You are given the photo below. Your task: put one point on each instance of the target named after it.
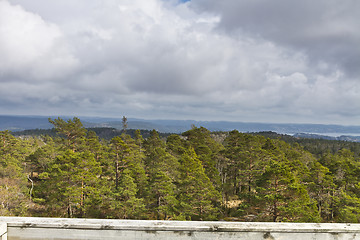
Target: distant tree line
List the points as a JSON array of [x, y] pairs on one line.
[[197, 175], [318, 147], [105, 133]]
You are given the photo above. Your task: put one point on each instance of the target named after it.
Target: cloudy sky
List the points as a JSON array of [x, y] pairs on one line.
[[235, 60]]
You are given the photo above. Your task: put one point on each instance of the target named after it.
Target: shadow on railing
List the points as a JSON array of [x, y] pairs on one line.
[[3, 231]]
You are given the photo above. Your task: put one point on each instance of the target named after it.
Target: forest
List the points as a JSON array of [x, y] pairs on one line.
[[196, 175]]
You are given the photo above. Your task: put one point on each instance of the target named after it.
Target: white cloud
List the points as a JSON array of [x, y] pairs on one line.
[[160, 59], [30, 47]]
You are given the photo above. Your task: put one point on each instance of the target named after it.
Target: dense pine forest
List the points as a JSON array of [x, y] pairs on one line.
[[198, 175]]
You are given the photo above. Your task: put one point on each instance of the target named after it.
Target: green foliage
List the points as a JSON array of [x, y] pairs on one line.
[[70, 180], [197, 195], [281, 197], [207, 149], [14, 195], [72, 130], [321, 186], [162, 197], [126, 204], [199, 175], [350, 212]]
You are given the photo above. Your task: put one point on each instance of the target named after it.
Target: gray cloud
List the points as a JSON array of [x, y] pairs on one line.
[[205, 60], [325, 30]]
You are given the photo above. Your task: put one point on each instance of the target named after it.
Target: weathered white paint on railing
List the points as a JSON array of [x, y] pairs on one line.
[[3, 231], [64, 228]]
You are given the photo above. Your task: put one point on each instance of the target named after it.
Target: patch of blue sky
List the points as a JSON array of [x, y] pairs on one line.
[[181, 1]]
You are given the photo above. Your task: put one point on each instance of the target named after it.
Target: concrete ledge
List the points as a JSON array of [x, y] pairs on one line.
[[65, 228]]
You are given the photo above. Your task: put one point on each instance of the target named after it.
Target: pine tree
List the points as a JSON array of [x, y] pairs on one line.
[[14, 192], [320, 184], [281, 197], [126, 204], [120, 150], [73, 131], [350, 205], [69, 182], [207, 149], [162, 196], [198, 198]]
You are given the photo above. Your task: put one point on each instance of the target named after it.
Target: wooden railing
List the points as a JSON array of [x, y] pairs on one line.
[[71, 229], [3, 231]]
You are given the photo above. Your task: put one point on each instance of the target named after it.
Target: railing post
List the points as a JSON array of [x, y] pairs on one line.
[[3, 231]]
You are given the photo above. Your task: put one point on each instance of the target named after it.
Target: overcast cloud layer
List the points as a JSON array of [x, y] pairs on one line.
[[236, 60]]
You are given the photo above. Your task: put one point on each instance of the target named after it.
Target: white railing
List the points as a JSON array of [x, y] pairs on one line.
[[71, 229], [3, 231]]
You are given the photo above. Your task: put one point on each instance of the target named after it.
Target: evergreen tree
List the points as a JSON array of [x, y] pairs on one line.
[[126, 204], [162, 193], [350, 205], [14, 192], [320, 185], [120, 150], [207, 149], [281, 197], [72, 130], [245, 158], [69, 182], [124, 124], [198, 198]]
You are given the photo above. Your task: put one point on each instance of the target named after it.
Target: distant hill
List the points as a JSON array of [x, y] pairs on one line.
[[19, 123], [318, 144], [339, 138]]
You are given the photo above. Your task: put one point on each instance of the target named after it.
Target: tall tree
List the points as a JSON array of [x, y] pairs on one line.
[[69, 182], [207, 149], [124, 124], [73, 131], [281, 197], [14, 192], [162, 195], [126, 204], [120, 150], [197, 196], [244, 158], [321, 186]]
